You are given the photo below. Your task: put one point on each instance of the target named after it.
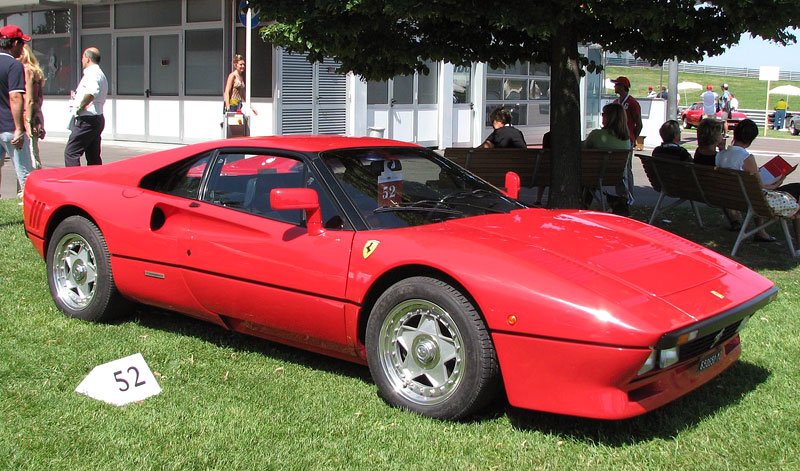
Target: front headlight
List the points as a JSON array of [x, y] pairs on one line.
[[668, 357]]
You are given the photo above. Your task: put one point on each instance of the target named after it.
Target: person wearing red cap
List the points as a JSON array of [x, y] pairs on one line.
[[709, 102], [633, 110], [13, 140]]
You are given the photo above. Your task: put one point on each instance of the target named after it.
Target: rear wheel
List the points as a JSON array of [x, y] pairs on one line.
[[79, 272], [429, 350]]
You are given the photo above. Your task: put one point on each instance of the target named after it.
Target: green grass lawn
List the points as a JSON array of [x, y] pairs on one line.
[[234, 402], [751, 92]]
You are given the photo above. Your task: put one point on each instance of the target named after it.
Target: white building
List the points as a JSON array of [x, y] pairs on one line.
[[166, 61]]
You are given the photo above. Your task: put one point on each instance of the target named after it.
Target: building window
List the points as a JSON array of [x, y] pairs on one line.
[[203, 10], [51, 22], [523, 89], [461, 84], [58, 64], [204, 68], [261, 62], [96, 16], [428, 85], [150, 14]]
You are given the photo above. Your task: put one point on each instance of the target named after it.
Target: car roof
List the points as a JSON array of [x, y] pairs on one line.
[[309, 143]]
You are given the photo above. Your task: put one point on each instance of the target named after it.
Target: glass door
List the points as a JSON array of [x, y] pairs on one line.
[[148, 78]]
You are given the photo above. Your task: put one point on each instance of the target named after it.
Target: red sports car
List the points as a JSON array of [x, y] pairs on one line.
[[692, 115], [384, 253]]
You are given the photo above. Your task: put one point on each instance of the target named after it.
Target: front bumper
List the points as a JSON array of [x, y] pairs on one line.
[[596, 381]]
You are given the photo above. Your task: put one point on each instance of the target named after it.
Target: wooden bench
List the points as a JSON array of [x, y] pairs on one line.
[[713, 186], [598, 167]]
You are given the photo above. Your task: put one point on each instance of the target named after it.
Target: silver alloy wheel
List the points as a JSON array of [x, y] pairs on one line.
[[74, 271], [421, 351]]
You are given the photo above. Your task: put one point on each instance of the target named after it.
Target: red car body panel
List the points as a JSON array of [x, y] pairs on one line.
[[694, 114], [574, 300]]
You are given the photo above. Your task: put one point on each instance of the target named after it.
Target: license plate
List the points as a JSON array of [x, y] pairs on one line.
[[709, 360]]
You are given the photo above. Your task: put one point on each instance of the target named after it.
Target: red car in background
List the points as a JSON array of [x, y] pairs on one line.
[[386, 254], [692, 115]]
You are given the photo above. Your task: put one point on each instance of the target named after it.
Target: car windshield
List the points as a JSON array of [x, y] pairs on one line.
[[406, 186]]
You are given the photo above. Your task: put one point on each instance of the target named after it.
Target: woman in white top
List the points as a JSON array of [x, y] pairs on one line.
[[737, 157]]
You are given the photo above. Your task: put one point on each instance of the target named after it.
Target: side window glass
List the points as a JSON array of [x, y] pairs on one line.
[[244, 182], [179, 179]]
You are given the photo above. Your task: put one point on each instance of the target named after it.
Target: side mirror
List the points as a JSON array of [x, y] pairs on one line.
[[299, 198], [512, 185]]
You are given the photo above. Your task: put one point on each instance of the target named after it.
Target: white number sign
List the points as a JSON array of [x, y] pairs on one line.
[[120, 382]]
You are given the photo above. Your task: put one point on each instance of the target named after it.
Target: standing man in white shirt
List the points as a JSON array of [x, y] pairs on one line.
[[88, 123]]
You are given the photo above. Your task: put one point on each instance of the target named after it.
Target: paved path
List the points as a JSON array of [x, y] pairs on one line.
[[52, 152]]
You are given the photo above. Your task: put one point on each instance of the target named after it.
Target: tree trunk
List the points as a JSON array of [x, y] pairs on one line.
[[565, 124]]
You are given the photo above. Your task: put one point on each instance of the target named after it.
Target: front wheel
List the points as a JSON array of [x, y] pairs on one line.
[[429, 351], [79, 272], [686, 124]]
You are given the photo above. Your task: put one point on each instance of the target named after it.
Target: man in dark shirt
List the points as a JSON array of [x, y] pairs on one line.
[[670, 146], [13, 140], [504, 135]]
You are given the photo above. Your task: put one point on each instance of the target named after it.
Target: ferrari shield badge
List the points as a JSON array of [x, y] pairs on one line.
[[369, 248]]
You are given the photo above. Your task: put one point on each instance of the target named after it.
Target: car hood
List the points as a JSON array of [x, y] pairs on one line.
[[620, 248]]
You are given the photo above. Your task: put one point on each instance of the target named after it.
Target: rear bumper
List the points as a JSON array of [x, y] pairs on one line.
[[595, 381]]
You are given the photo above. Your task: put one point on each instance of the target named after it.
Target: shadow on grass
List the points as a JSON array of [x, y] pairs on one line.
[[177, 323], [715, 235], [666, 422]]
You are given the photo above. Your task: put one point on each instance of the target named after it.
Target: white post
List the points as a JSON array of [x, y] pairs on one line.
[[766, 111], [247, 48]]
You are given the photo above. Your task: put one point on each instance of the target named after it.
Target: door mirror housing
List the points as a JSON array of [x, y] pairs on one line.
[[512, 185], [299, 198]]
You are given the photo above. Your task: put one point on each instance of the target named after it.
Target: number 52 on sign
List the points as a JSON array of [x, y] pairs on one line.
[[120, 382]]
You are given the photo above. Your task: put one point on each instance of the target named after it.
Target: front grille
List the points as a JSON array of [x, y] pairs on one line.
[[703, 344]]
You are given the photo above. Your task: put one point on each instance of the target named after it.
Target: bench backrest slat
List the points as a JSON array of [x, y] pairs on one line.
[[534, 166]]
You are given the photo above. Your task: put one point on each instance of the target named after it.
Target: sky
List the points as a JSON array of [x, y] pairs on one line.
[[755, 52]]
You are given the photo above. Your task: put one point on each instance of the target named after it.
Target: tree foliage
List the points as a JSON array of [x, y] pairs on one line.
[[379, 39]]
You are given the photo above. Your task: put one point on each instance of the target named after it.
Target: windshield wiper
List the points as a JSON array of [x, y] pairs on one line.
[[437, 205], [420, 206]]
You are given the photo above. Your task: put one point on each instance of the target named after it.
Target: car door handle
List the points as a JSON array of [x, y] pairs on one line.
[[194, 204]]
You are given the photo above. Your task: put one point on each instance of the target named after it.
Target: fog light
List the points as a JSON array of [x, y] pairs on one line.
[[649, 364], [668, 357]]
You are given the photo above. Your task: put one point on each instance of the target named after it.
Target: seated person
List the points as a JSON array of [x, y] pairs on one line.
[[614, 135], [504, 135], [670, 146], [737, 157], [710, 139]]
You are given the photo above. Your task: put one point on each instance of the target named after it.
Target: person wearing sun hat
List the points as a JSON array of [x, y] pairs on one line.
[[13, 139]]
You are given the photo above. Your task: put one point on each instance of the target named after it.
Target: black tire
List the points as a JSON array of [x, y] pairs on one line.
[[79, 272], [429, 351], [686, 124]]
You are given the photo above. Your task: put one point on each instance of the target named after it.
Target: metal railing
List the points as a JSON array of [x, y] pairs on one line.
[[703, 69]]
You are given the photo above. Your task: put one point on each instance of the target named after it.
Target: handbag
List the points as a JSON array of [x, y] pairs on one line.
[[783, 204]]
